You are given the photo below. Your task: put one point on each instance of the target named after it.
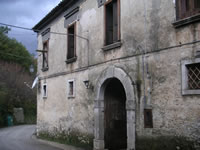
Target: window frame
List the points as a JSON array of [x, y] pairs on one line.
[[184, 74], [149, 124], [44, 96], [118, 21], [68, 88], [74, 58], [182, 12], [45, 68]]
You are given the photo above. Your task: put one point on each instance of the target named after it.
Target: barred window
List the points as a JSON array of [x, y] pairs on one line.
[[193, 76], [190, 69]]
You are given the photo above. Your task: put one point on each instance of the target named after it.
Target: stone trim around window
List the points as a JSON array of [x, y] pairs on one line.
[[184, 70], [71, 88], [71, 60], [112, 46], [186, 21], [45, 69]]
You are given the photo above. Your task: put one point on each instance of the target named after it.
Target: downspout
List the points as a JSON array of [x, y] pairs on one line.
[[144, 52]]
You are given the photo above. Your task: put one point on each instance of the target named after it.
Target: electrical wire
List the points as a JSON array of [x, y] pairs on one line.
[[29, 29], [161, 49], [143, 54], [24, 28], [16, 34]]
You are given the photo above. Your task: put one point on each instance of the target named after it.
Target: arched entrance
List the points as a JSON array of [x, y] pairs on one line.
[[115, 130], [114, 79]]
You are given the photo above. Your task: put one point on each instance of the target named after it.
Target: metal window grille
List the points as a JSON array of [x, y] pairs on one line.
[[193, 76]]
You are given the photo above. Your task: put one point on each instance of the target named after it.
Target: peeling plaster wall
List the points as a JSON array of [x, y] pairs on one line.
[[60, 113], [173, 114]]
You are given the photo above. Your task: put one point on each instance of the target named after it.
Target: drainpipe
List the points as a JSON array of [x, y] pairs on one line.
[[144, 52]]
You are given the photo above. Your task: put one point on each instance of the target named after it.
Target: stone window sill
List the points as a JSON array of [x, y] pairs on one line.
[[71, 96], [71, 60], [186, 21], [45, 69], [112, 46], [191, 92]]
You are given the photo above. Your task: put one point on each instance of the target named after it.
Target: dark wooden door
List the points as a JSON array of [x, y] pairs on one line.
[[115, 116]]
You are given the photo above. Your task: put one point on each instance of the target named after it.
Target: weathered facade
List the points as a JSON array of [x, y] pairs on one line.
[[120, 69]]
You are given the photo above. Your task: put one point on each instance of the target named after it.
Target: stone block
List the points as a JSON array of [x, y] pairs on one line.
[[19, 115], [98, 144]]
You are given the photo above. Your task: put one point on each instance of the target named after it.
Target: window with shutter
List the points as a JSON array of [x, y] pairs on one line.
[[112, 22], [45, 56], [187, 8], [71, 43], [197, 4]]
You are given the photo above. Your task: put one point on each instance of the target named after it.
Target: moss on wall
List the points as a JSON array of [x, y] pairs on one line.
[[165, 143], [73, 138]]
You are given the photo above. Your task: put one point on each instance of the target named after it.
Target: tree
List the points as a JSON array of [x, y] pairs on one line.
[[15, 61], [13, 51]]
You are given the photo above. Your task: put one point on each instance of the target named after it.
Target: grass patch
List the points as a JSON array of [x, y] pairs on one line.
[[73, 138], [164, 143], [30, 119]]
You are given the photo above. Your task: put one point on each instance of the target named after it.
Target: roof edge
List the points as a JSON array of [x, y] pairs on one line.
[[55, 12]]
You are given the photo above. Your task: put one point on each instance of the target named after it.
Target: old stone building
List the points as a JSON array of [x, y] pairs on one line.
[[117, 70]]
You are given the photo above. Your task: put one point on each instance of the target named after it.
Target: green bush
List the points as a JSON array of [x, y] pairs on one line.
[[164, 143], [3, 106], [73, 138]]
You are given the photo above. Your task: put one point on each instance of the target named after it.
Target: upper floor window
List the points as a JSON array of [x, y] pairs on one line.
[[112, 28], [71, 43], [187, 8], [45, 56]]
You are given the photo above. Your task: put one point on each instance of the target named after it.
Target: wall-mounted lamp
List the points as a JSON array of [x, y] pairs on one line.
[[87, 84]]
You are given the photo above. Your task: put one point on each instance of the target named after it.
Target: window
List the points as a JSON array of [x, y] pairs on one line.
[[44, 90], [71, 88], [45, 56], [71, 44], [187, 8], [191, 77], [148, 121], [112, 22]]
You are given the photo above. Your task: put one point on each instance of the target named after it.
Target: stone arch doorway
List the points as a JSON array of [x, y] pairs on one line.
[[113, 75], [115, 130]]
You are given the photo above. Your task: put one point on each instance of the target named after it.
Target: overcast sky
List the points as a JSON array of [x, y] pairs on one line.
[[26, 13]]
